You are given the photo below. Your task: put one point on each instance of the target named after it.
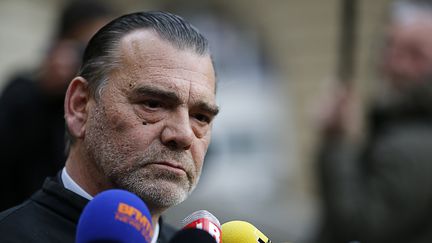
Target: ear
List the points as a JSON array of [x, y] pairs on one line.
[[75, 106]]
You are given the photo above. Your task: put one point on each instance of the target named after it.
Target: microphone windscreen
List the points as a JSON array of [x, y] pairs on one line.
[[115, 216], [206, 221], [191, 235], [200, 214], [242, 232]]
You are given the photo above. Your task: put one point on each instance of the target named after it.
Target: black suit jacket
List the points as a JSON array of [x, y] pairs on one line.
[[51, 215]]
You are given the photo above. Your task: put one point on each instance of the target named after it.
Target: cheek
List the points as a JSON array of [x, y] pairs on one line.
[[118, 123], [129, 130], [199, 150]]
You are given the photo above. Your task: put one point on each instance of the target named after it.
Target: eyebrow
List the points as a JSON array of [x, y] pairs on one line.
[[212, 109], [173, 98], [157, 92]]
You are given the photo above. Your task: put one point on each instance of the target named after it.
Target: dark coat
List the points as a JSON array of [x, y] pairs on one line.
[[381, 191], [51, 215]]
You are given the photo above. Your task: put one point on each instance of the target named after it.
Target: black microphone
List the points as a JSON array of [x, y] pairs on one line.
[[192, 235]]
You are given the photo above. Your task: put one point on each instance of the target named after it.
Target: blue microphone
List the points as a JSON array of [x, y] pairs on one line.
[[115, 216]]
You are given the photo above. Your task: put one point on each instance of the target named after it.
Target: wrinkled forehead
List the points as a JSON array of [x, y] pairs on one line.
[[144, 55]]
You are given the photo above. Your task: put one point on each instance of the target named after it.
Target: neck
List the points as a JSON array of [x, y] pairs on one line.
[[85, 173], [154, 213]]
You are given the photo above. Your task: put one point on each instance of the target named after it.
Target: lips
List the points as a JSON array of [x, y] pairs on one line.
[[170, 166]]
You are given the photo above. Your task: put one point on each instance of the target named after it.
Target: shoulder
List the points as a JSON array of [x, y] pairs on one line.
[[14, 213], [33, 221], [404, 152], [14, 221], [404, 138]]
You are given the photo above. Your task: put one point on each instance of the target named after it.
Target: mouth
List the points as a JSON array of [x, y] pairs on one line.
[[170, 166]]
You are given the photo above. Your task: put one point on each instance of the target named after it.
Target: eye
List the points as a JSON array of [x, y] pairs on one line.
[[202, 118], [152, 104]]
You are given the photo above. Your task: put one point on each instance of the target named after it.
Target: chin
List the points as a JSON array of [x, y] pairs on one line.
[[161, 194]]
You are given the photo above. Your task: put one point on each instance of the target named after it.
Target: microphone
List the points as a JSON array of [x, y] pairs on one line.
[[206, 221], [244, 232], [192, 235], [115, 216]]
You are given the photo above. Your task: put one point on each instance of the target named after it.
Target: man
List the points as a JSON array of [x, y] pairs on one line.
[[378, 190], [139, 118], [31, 118]]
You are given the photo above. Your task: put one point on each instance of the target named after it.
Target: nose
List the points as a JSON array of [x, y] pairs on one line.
[[178, 133]]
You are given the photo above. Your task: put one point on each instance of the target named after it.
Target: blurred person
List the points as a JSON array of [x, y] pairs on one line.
[[376, 182], [139, 117], [31, 105]]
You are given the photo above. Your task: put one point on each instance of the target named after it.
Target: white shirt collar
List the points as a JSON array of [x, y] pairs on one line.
[[155, 233], [71, 185]]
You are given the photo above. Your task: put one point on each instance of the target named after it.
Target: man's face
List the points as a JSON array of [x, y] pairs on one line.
[[408, 55], [149, 131]]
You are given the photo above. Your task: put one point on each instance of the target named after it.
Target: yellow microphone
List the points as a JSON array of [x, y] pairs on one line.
[[242, 232]]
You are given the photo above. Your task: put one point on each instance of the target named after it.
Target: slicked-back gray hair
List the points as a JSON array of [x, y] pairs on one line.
[[100, 56]]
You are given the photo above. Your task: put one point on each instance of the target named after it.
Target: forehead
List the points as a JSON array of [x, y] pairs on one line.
[[146, 58], [418, 23]]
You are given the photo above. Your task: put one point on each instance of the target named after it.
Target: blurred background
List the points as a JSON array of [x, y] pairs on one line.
[[275, 61]]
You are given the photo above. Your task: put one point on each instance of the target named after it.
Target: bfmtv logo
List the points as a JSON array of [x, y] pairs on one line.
[[132, 216]]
